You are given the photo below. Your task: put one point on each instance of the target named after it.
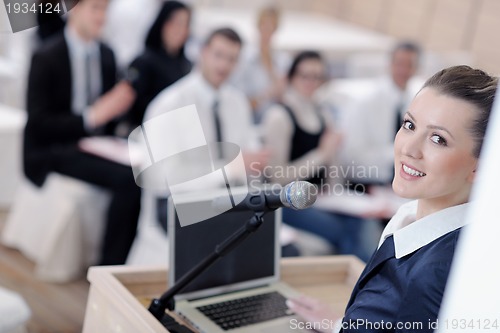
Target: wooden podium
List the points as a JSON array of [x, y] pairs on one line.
[[119, 295]]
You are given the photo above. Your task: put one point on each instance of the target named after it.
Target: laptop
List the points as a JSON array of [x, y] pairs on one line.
[[242, 291]]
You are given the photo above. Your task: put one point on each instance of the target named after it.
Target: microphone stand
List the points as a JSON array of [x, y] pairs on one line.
[[166, 301]]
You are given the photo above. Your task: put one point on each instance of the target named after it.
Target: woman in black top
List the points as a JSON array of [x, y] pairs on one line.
[[163, 61], [302, 140]]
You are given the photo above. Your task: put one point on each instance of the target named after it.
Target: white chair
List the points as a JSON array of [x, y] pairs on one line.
[[14, 312], [151, 243], [58, 226]]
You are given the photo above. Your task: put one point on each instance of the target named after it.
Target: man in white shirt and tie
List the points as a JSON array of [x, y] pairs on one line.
[[225, 116], [224, 111]]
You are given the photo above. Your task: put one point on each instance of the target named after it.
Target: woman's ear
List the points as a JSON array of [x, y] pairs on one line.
[[472, 174]]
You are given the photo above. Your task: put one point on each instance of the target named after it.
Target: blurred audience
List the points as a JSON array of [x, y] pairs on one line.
[[373, 122], [72, 94], [261, 71], [303, 144], [163, 62]]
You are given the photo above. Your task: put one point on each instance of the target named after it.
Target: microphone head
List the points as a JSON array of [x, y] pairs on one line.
[[299, 195]]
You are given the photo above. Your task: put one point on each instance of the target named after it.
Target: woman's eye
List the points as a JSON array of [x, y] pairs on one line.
[[438, 140], [408, 125]]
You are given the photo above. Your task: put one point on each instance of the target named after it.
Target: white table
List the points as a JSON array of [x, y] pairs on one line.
[[11, 129]]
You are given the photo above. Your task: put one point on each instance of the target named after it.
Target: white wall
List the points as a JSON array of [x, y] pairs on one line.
[[472, 297]]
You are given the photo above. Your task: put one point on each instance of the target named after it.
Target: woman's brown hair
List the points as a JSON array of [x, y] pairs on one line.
[[471, 85]]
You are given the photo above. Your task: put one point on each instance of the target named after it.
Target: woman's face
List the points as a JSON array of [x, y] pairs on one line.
[[176, 30], [309, 76], [433, 150]]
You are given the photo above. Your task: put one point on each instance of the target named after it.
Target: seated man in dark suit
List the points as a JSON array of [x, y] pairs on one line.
[[72, 94]]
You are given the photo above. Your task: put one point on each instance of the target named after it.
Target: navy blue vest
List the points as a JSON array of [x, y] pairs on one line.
[[401, 295]]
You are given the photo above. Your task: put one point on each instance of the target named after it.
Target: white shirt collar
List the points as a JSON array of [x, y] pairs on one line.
[[410, 234], [206, 91]]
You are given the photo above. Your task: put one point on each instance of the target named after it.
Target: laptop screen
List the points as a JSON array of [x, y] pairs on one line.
[[254, 262]]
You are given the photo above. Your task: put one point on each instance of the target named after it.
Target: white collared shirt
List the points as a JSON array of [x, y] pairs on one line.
[[410, 234], [78, 50], [234, 109], [234, 115]]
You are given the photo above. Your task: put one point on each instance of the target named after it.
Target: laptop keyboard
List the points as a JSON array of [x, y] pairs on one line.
[[246, 311]]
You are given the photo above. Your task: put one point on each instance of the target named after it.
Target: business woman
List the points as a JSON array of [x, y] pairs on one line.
[[163, 61], [436, 156]]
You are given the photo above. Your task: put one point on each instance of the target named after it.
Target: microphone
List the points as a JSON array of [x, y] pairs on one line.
[[296, 195]]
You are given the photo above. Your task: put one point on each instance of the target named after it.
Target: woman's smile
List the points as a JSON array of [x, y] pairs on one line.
[[410, 173]]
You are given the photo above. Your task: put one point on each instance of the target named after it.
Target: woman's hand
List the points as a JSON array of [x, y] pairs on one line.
[[314, 311]]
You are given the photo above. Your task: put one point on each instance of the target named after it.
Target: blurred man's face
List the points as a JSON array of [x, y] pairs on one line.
[[89, 17], [219, 58], [403, 66]]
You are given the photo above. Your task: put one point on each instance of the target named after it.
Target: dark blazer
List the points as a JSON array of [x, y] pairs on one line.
[[51, 124], [406, 290]]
